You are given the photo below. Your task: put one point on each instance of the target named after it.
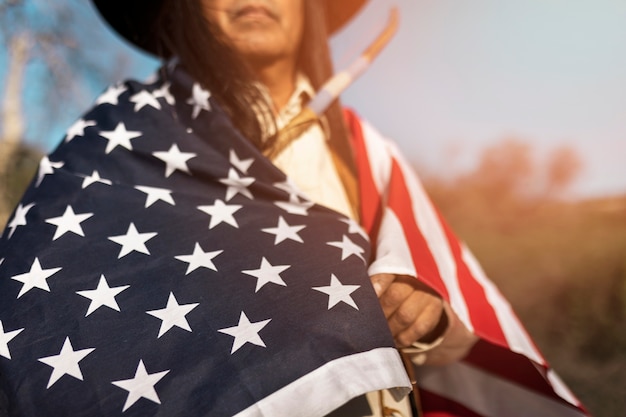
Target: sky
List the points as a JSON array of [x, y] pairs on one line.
[[463, 75]]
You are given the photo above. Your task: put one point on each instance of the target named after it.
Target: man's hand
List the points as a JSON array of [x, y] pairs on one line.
[[412, 309]]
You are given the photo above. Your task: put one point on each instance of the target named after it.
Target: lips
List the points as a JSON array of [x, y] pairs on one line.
[[253, 11]]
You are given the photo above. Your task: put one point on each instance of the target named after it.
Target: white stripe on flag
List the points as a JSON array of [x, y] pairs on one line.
[[332, 385], [561, 389], [378, 157], [393, 255], [516, 337]]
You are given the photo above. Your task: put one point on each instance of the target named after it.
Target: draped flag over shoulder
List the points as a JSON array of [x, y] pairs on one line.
[[504, 375], [160, 265]]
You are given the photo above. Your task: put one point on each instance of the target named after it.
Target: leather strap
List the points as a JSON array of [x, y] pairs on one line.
[[416, 404], [340, 150]]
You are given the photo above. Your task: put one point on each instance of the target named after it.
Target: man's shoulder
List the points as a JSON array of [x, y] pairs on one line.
[[127, 119], [132, 96]]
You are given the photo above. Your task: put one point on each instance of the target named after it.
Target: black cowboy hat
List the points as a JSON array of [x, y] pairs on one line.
[[133, 19]]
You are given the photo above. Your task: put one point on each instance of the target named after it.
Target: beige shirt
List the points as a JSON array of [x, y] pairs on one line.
[[307, 161]]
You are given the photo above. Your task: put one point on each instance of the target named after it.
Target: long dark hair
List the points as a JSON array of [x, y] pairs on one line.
[[186, 33], [315, 61]]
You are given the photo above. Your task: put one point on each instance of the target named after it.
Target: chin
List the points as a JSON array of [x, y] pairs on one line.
[[256, 50], [262, 58]]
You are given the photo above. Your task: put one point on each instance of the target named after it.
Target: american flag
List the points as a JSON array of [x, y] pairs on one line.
[[159, 265], [504, 375]]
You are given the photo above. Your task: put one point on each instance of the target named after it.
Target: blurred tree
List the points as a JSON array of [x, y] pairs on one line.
[[563, 166], [21, 169], [48, 45], [506, 170], [508, 185], [509, 170], [12, 121]]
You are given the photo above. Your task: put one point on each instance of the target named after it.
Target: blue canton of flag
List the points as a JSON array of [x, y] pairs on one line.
[[160, 265]]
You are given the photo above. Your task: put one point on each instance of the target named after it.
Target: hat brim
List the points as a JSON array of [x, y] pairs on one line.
[[339, 12], [133, 20]]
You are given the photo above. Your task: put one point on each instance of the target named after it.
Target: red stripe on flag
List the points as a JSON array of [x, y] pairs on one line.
[[423, 260], [482, 314], [371, 202]]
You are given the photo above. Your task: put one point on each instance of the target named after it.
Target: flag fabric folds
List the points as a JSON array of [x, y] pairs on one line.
[[160, 265], [504, 375]]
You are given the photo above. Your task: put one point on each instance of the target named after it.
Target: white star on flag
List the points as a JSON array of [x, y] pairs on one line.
[[140, 386], [66, 362], [68, 222], [173, 315], [5, 338], [199, 259], [132, 241], [237, 185], [144, 98], [241, 164], [155, 194], [348, 248], [164, 92], [355, 228], [35, 278], [103, 295], [245, 332], [337, 292], [78, 129], [112, 95], [93, 178], [284, 231], [119, 137], [174, 160], [46, 167], [295, 205], [267, 273], [19, 219], [221, 212], [199, 100]]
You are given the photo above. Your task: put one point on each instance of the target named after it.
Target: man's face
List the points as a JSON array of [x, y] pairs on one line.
[[261, 31]]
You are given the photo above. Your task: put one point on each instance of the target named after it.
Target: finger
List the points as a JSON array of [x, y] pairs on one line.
[[381, 282], [426, 321], [395, 295], [409, 310]]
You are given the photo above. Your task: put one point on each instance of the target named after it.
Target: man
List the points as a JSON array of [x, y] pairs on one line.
[[268, 35], [258, 61]]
